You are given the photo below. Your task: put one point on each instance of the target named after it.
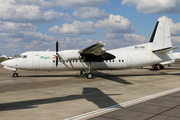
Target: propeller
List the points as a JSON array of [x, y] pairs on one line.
[[57, 53]]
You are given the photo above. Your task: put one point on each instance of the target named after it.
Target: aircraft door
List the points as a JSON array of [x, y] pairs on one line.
[[36, 59], [129, 62]]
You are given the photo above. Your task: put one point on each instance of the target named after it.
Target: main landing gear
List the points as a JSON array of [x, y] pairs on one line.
[[161, 67], [155, 67], [88, 73]]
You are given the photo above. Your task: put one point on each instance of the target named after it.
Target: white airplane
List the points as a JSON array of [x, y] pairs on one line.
[[3, 56], [159, 49]]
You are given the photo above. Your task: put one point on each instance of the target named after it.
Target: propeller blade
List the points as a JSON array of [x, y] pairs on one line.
[[56, 47], [56, 53], [56, 61]]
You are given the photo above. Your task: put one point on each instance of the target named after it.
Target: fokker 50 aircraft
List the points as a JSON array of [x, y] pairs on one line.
[[159, 49]]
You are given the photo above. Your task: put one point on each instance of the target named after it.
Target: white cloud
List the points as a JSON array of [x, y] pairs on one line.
[[11, 35], [90, 12], [14, 30], [54, 29], [115, 24], [28, 2], [68, 18], [29, 41], [30, 36], [174, 27], [22, 32], [176, 39], [73, 3], [130, 2], [127, 37], [135, 37], [155, 6], [11, 27], [77, 28], [51, 15], [15, 12]]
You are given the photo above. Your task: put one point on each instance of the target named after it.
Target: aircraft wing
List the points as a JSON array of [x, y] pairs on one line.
[[95, 49]]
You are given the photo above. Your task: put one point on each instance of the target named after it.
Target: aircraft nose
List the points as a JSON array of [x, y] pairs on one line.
[[9, 63], [3, 63]]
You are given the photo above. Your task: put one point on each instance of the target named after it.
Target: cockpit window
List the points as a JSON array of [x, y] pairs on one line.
[[25, 56], [21, 56]]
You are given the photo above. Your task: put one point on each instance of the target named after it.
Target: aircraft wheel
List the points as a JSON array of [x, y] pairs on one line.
[[83, 72], [89, 75], [155, 68], [15, 75], [161, 67]]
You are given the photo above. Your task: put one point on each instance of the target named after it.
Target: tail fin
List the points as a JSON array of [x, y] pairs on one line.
[[161, 38]]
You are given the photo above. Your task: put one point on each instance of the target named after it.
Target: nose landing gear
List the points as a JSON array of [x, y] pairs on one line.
[[15, 74]]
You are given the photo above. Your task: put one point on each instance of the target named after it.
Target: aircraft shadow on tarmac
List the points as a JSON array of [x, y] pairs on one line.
[[96, 74], [48, 76], [114, 78], [94, 95]]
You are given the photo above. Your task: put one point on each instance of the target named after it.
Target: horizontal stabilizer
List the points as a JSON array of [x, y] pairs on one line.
[[164, 50]]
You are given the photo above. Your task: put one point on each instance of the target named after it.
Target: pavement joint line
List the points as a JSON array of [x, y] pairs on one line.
[[125, 104]]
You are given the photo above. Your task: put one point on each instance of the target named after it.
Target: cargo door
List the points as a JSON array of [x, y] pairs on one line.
[[129, 62], [36, 59]]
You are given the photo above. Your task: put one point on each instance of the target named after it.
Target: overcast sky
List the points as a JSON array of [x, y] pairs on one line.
[[31, 25]]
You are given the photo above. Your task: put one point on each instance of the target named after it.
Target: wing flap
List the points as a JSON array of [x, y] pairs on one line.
[[94, 49]]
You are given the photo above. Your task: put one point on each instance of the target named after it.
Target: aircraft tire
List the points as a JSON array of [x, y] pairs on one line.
[[89, 75], [15, 75], [161, 67]]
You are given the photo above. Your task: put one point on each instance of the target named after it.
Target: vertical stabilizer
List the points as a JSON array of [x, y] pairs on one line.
[[161, 38]]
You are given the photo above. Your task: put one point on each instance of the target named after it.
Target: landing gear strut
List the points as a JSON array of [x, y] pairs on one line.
[[88, 73]]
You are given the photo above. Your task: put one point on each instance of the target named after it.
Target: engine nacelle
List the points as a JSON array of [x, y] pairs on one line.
[[67, 55]]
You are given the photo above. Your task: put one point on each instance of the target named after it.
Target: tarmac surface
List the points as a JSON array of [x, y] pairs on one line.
[[42, 95], [162, 108]]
